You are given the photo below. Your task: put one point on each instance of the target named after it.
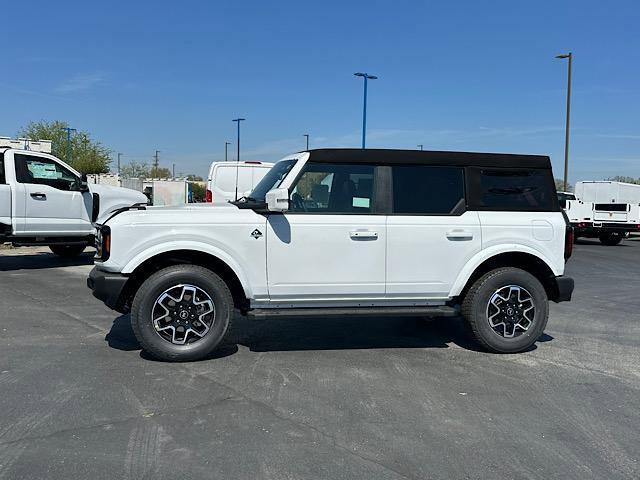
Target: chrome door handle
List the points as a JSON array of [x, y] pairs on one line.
[[459, 234], [39, 196], [363, 234]]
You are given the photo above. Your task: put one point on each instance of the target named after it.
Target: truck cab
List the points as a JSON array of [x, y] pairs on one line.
[[44, 201]]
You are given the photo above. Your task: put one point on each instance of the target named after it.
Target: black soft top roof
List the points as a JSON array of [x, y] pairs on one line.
[[431, 157]]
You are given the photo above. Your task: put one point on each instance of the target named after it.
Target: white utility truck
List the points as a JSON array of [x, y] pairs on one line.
[[43, 201], [347, 232], [603, 209]]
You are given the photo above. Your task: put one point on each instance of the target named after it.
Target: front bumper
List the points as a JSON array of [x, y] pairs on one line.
[[565, 289], [107, 286]]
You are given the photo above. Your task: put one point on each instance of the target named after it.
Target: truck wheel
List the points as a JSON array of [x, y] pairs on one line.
[[182, 313], [610, 239], [506, 310], [67, 250]]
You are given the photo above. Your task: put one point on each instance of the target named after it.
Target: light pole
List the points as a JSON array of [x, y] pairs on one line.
[[119, 155], [226, 154], [569, 56], [69, 130], [306, 135], [366, 77], [420, 146], [238, 120]]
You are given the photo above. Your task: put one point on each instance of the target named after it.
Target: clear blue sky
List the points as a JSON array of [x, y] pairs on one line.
[[465, 75]]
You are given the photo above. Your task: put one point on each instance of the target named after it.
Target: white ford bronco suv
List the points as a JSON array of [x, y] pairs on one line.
[[347, 232]]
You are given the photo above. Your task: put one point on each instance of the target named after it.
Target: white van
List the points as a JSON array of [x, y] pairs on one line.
[[221, 182]]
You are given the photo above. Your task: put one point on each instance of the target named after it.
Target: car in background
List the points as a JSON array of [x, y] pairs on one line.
[[229, 181]]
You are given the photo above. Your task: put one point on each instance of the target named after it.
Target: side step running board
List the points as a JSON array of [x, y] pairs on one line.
[[439, 311]]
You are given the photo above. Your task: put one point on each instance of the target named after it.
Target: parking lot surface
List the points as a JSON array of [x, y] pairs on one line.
[[391, 398]]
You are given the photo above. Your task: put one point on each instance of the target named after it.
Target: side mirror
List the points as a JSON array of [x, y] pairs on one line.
[[278, 200], [84, 185]]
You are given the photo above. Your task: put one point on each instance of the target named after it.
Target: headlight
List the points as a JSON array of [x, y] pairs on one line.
[[103, 242]]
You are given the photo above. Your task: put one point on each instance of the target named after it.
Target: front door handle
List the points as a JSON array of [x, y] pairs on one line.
[[39, 196], [458, 234], [363, 235]]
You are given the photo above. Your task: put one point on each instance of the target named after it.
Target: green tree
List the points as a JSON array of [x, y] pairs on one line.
[[198, 191], [135, 169], [87, 155], [159, 172], [619, 178], [560, 185]]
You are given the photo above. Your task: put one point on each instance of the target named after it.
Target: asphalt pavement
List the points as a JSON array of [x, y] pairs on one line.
[[349, 398]]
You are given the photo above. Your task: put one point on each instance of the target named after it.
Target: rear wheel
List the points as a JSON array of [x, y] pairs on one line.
[[611, 238], [182, 313], [506, 310], [68, 250]]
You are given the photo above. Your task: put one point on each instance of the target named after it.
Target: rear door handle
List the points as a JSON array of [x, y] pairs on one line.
[[363, 234], [39, 196], [459, 234]]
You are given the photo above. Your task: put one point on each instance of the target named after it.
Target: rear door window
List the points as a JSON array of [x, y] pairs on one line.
[[427, 190]]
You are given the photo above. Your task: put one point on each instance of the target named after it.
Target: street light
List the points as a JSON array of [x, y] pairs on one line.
[[119, 155], [226, 156], [566, 133], [366, 77], [69, 130], [238, 120], [420, 146], [306, 135]]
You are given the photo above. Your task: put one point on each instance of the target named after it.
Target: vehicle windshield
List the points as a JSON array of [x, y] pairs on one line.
[[271, 180]]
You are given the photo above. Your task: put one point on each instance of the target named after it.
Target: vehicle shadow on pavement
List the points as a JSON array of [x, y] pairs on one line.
[[35, 261], [295, 334]]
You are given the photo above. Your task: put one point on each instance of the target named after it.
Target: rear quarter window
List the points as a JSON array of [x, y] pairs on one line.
[[505, 189]]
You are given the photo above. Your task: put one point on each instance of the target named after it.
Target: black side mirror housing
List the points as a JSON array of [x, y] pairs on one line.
[[84, 185]]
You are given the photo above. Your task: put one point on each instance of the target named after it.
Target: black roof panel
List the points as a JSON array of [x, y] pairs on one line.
[[389, 156]]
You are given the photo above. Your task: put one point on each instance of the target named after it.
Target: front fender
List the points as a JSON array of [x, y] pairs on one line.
[[217, 251], [486, 254]]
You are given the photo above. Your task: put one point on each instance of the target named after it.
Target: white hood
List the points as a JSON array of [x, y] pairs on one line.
[[112, 198]]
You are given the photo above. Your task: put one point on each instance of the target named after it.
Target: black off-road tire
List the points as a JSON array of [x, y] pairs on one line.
[[476, 300], [152, 288], [67, 251], [610, 239]]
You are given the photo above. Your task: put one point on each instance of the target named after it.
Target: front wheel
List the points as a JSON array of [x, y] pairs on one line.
[[182, 313], [68, 250], [610, 239], [506, 310]]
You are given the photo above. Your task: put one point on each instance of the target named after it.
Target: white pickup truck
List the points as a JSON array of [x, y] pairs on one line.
[[43, 201]]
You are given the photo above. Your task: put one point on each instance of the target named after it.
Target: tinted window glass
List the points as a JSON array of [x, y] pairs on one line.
[[333, 188], [272, 179], [43, 171], [423, 189], [3, 178], [516, 190]]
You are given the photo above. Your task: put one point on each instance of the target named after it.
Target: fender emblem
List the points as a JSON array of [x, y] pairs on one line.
[[256, 234]]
